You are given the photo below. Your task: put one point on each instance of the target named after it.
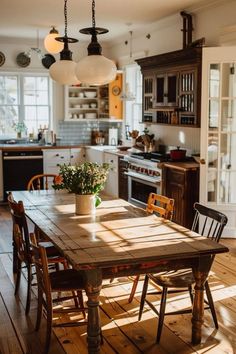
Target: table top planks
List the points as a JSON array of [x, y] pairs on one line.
[[118, 233]]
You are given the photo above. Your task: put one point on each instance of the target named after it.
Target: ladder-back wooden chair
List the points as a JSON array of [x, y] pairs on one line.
[[60, 282], [41, 181], [164, 207], [209, 223], [22, 252]]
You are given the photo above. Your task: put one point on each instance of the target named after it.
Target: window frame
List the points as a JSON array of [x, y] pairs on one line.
[[20, 96]]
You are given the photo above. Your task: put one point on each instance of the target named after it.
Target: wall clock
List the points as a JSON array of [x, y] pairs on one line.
[[116, 90]]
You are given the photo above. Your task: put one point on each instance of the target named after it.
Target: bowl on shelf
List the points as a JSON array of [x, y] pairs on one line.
[[90, 94], [90, 115], [93, 105]]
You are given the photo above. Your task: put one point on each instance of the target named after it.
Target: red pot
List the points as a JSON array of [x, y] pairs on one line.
[[177, 154]]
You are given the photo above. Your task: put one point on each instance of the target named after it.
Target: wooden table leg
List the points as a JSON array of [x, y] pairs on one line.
[[93, 288], [200, 274]]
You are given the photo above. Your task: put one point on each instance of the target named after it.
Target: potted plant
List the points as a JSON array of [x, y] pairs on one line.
[[86, 181]]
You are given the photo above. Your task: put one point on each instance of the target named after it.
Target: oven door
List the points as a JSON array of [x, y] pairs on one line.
[[139, 190]]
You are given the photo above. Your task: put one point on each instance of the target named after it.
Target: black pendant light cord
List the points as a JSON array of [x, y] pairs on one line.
[[65, 15], [93, 14]]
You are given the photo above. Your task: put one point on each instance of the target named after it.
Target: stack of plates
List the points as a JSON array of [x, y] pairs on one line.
[[90, 115]]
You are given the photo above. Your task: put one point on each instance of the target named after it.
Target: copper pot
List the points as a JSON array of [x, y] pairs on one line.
[[177, 154]]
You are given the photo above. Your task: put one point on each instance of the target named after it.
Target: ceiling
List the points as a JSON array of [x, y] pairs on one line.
[[32, 19]]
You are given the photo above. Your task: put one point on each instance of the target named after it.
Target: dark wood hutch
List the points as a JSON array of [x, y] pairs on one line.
[[172, 87]]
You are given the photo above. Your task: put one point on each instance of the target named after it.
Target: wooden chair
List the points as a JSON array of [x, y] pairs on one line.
[[68, 280], [164, 207], [209, 223], [22, 252], [41, 181]]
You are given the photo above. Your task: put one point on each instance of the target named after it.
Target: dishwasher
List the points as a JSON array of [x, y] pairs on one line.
[[18, 167]]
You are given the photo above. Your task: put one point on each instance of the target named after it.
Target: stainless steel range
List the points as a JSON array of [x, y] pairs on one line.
[[144, 176]]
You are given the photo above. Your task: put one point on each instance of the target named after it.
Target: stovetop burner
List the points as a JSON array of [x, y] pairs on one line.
[[156, 156]]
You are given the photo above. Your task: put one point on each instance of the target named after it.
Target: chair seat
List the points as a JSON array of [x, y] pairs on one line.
[[50, 248], [67, 280], [174, 279]]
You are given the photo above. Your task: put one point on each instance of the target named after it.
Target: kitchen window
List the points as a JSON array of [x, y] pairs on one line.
[[133, 107], [25, 104]]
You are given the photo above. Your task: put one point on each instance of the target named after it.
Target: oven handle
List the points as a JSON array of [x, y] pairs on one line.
[[37, 157], [146, 178]]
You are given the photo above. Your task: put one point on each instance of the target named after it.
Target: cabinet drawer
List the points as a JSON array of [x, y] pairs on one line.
[[175, 177], [55, 157]]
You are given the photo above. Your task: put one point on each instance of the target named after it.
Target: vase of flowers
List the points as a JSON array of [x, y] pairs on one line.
[[85, 181]]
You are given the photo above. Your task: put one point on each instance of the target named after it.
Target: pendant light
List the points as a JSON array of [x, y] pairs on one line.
[[51, 45], [95, 69], [63, 71]]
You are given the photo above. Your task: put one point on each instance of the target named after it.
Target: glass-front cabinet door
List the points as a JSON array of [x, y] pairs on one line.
[[218, 133]]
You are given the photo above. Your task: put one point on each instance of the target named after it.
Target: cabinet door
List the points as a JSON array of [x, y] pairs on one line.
[[166, 90], [148, 93], [115, 104], [123, 179], [175, 188], [77, 156], [188, 97], [53, 158]]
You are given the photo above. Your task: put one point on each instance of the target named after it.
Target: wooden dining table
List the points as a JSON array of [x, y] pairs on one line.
[[119, 240]]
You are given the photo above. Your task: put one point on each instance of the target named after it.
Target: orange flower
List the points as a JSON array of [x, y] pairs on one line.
[[58, 180]]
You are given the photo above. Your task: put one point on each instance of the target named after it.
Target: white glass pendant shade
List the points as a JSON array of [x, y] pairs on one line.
[[63, 71], [51, 45], [96, 70]]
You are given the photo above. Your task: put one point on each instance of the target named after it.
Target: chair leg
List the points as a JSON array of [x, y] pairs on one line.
[[190, 289], [29, 280], [81, 301], [48, 328], [134, 287], [211, 304], [162, 314], [39, 310], [18, 276], [143, 297]]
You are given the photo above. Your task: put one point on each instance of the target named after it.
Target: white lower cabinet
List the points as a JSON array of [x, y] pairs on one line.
[[94, 154], [112, 186], [53, 158]]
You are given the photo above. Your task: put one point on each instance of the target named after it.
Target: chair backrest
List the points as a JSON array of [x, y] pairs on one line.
[[41, 181], [164, 206], [208, 222], [20, 228], [41, 266]]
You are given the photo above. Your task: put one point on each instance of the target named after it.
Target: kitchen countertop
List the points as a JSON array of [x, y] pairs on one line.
[[185, 165]]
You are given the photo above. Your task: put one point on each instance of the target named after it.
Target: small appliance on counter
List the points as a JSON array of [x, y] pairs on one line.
[[113, 136]]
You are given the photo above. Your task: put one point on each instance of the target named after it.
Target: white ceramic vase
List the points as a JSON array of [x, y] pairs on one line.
[[84, 204]]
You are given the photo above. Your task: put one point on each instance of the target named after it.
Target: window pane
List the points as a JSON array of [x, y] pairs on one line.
[[42, 83], [228, 80], [29, 98], [29, 83], [42, 97], [214, 84], [227, 182], [213, 113], [227, 151]]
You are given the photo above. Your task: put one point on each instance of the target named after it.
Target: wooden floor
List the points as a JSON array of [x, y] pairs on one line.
[[121, 330]]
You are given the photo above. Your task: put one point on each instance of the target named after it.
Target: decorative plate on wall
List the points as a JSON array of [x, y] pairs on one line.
[[2, 58], [22, 60], [48, 60]]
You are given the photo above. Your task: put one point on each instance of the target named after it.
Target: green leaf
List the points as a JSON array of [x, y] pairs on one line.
[[98, 201]]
